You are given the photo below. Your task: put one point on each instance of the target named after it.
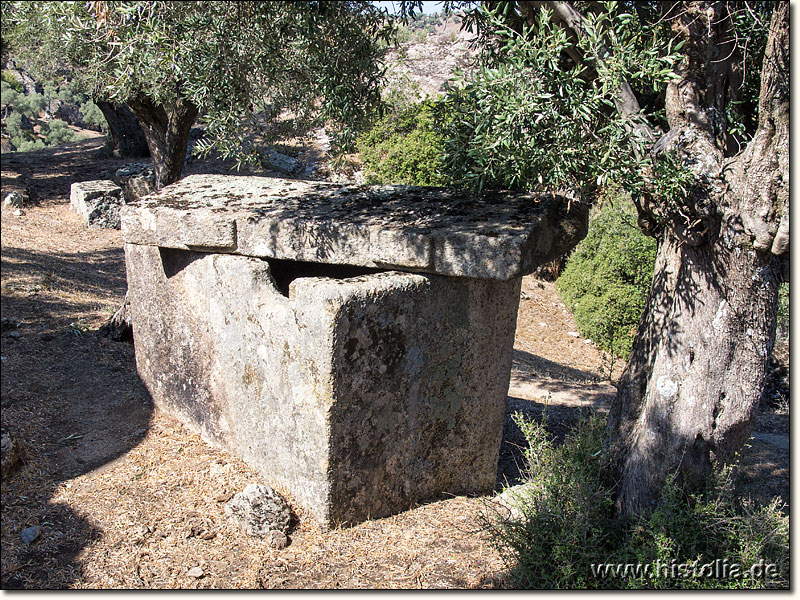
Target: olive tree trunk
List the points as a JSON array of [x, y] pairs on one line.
[[166, 130], [128, 137], [691, 388]]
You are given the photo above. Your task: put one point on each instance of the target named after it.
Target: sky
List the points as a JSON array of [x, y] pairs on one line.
[[427, 7]]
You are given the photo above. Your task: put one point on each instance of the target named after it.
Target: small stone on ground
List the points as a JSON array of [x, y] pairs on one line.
[[29, 534], [259, 510], [195, 572]]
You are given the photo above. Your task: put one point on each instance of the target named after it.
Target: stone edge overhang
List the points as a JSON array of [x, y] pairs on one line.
[[495, 235]]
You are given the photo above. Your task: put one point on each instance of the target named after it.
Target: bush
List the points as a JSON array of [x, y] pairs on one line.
[[57, 132], [606, 280], [10, 79], [27, 144], [568, 528], [93, 115], [30, 106], [403, 148], [8, 96]]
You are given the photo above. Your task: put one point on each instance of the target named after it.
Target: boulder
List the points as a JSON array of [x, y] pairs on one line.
[[281, 162], [97, 202], [259, 510], [18, 198], [137, 180]]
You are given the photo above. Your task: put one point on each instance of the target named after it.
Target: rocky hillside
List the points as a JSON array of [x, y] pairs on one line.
[[420, 66]]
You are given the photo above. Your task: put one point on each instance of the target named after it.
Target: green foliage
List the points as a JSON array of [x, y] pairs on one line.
[[404, 148], [606, 280], [67, 94], [14, 83], [28, 105], [22, 112], [92, 114], [8, 95], [568, 526], [567, 509], [27, 144], [242, 64], [528, 119], [57, 132], [13, 122], [750, 23], [418, 29]]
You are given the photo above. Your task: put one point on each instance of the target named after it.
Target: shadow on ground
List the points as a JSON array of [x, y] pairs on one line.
[[543, 390], [70, 398]]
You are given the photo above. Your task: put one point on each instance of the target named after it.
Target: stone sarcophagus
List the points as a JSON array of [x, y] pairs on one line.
[[351, 344]]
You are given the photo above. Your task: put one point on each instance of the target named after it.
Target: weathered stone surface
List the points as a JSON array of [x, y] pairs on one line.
[[97, 202], [11, 455], [281, 162], [137, 180], [512, 500], [433, 230], [28, 535], [18, 198], [359, 394], [259, 510]]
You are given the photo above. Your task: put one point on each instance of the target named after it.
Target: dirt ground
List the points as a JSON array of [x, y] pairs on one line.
[[123, 496]]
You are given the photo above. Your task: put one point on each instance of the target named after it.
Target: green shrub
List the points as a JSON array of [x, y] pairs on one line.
[[27, 144], [93, 115], [50, 90], [8, 78], [8, 95], [14, 124], [568, 528], [403, 148], [67, 94], [606, 280], [57, 132], [31, 105], [567, 509]]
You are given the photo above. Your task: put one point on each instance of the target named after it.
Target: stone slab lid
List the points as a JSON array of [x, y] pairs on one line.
[[419, 229]]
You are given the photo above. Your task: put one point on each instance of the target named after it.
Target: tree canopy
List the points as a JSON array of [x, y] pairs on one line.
[[252, 71]]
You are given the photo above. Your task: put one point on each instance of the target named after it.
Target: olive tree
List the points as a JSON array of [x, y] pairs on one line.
[[686, 106], [250, 70]]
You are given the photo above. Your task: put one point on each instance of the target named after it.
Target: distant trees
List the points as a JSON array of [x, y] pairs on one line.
[[33, 121], [251, 70]]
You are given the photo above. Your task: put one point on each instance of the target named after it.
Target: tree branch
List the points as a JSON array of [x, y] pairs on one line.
[[564, 14], [759, 176]]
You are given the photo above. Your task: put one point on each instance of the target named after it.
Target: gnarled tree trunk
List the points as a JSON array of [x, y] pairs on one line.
[[124, 129], [167, 133], [691, 388]]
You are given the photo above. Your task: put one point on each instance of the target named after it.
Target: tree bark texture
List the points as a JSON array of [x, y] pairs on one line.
[[690, 390], [166, 130], [128, 136]]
